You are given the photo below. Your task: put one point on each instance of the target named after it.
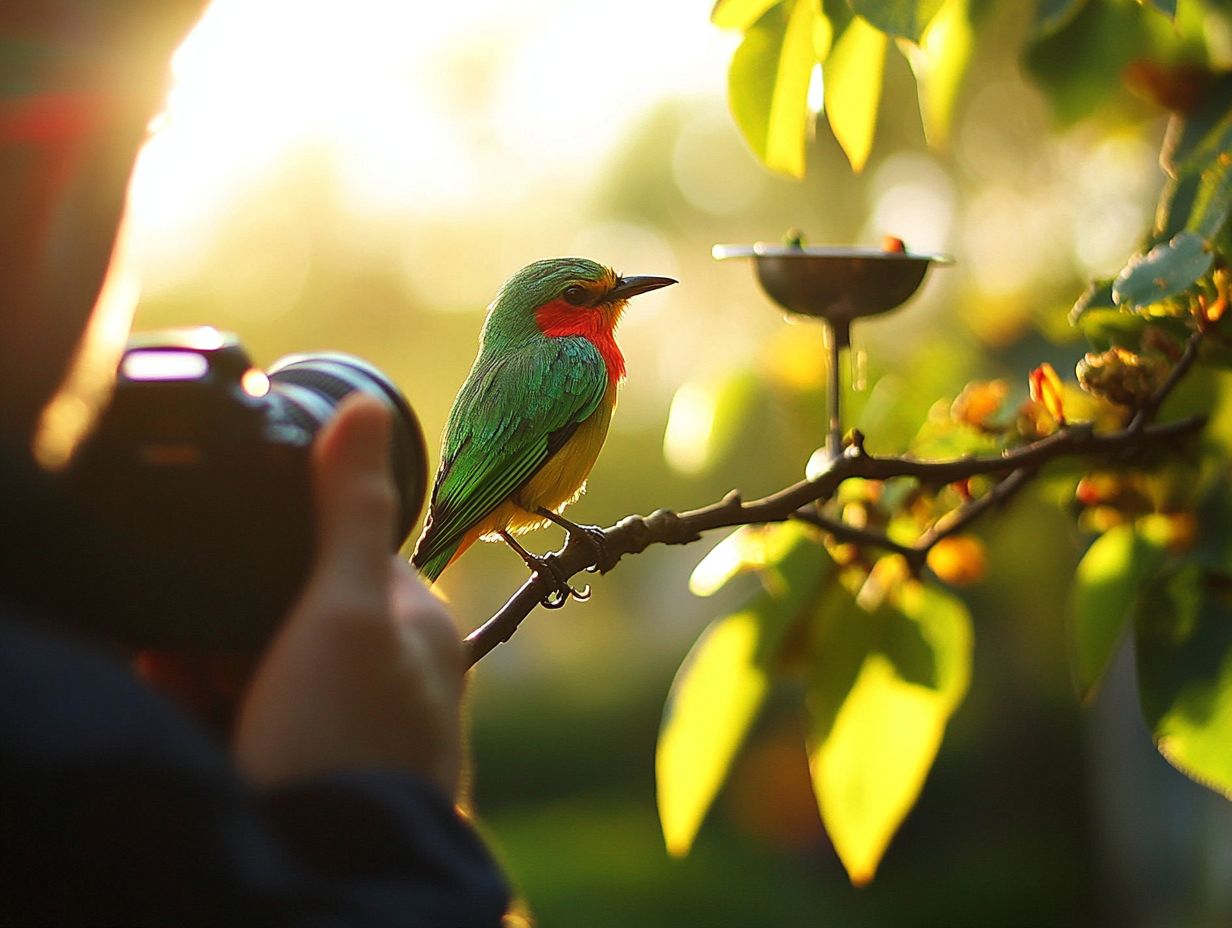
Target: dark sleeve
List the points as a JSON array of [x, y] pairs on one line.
[[117, 810]]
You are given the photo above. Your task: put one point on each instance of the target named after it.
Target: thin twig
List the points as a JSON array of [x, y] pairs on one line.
[[960, 519], [1146, 412], [634, 534], [845, 532]]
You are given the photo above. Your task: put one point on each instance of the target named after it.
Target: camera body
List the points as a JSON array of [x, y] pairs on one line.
[[194, 495]]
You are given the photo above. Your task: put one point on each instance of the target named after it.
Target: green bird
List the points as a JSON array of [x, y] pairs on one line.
[[530, 420]]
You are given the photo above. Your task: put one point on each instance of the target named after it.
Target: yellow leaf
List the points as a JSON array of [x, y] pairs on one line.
[[862, 803], [823, 32], [768, 85], [750, 547], [739, 14], [939, 63], [722, 683], [714, 699], [853, 76], [883, 687], [731, 556]]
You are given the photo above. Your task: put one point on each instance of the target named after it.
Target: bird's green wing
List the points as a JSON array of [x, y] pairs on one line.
[[512, 414]]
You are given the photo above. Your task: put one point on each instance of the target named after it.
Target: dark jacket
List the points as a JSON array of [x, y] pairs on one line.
[[118, 810]]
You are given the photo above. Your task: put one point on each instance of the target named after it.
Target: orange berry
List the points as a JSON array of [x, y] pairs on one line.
[[979, 401], [1088, 492], [958, 560], [1182, 531]]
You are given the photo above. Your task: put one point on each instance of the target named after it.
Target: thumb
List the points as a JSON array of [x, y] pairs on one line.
[[356, 502]]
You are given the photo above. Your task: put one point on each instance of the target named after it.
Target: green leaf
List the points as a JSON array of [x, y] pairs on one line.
[[942, 437], [1079, 61], [768, 85], [1106, 587], [1097, 296], [1184, 650], [722, 684], [1053, 15], [1166, 270], [883, 685], [1214, 548], [1105, 328], [1198, 194], [1167, 7], [1212, 202], [939, 63], [853, 76], [1201, 133], [750, 547], [1176, 203], [740, 14], [902, 18]]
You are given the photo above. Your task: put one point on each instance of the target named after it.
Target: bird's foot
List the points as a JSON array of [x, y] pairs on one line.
[[548, 568], [560, 593], [593, 535]]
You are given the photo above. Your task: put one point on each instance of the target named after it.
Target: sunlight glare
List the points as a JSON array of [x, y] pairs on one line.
[[690, 423], [413, 110]]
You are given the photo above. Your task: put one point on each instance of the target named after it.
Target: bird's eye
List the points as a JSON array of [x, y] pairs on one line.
[[575, 295]]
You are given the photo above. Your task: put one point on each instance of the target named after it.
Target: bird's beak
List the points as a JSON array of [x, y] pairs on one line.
[[632, 286]]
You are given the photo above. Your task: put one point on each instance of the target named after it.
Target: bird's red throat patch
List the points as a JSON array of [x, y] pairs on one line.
[[559, 318]]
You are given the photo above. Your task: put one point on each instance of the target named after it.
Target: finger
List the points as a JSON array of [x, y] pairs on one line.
[[416, 605], [355, 498]]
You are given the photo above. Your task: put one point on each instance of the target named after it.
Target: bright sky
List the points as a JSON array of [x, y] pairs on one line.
[[419, 107], [483, 128]]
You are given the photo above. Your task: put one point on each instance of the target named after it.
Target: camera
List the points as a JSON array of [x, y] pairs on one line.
[[196, 489]]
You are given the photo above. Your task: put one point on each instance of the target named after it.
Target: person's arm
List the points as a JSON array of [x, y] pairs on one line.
[[337, 805]]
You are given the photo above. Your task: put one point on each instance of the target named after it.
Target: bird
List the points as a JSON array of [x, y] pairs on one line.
[[531, 417]]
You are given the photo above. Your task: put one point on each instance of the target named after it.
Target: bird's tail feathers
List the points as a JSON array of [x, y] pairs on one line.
[[433, 564]]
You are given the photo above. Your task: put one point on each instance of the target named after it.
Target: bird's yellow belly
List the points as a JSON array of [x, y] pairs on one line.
[[560, 481]]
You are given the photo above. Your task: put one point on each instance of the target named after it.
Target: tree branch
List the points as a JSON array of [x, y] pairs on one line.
[[634, 534], [961, 518], [845, 532], [1147, 411]]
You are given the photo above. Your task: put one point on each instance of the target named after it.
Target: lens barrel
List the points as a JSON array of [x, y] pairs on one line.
[[309, 388]]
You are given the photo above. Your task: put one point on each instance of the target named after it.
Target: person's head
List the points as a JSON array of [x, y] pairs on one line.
[[80, 81]]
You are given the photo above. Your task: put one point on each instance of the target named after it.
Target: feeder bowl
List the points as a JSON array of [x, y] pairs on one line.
[[838, 283]]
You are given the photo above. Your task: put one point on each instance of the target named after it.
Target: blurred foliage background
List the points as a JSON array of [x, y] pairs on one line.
[[363, 176]]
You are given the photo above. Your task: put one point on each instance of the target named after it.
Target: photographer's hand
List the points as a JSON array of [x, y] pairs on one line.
[[367, 670]]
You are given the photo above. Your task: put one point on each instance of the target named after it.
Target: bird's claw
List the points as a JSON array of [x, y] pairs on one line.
[[548, 568], [554, 599], [592, 535], [558, 596], [562, 590], [598, 542]]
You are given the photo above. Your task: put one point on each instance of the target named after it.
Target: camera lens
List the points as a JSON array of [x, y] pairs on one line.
[[310, 388]]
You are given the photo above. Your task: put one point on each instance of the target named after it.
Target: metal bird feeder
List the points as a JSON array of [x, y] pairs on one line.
[[836, 284]]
